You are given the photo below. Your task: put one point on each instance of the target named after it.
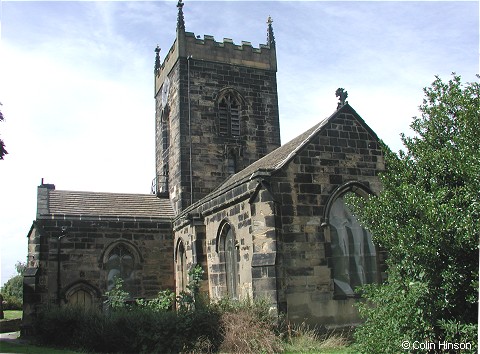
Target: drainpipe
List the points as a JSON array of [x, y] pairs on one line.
[[59, 282], [190, 128]]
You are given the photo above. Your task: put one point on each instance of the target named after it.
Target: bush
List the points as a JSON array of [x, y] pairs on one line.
[[249, 327], [426, 220], [12, 303], [393, 313], [128, 330]]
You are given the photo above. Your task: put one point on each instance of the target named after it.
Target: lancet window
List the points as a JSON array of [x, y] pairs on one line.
[[229, 115]]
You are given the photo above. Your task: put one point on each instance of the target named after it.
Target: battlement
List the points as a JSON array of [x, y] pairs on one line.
[[208, 49], [209, 41]]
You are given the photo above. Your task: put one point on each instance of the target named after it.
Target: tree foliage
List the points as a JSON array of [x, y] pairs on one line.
[[12, 290], [427, 219], [3, 151]]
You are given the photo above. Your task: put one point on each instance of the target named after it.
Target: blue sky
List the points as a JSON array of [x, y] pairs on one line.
[[76, 81]]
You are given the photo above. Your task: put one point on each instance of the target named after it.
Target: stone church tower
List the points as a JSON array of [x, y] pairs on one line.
[[263, 221], [216, 112]]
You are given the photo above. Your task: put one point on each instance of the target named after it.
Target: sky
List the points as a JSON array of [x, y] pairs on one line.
[[76, 81]]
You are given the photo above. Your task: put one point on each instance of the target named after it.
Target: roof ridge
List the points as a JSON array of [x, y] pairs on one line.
[[96, 192]]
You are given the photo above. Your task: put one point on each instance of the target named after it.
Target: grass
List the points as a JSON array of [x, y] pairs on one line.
[[303, 339], [23, 347], [12, 314], [320, 347]]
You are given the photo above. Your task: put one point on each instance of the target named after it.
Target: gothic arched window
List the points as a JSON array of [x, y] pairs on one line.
[[120, 263], [182, 272], [229, 256], [353, 254], [229, 114]]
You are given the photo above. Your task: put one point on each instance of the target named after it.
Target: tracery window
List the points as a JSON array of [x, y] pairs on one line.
[[229, 115], [354, 256], [120, 263], [229, 255]]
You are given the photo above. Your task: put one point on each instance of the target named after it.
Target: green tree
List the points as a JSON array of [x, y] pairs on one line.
[[3, 151], [427, 219], [12, 290]]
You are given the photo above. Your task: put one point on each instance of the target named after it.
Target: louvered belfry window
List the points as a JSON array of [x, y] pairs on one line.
[[229, 115]]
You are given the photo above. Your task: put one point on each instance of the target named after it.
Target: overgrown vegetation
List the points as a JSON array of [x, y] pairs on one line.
[[304, 339], [167, 324], [427, 219]]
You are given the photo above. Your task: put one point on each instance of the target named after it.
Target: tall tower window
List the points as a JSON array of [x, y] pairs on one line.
[[229, 115]]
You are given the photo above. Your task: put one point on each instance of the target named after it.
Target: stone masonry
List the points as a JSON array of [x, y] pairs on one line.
[[262, 220]]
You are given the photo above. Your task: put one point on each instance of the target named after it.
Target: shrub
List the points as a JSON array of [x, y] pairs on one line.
[[129, 330], [117, 296], [163, 302], [426, 219], [248, 327]]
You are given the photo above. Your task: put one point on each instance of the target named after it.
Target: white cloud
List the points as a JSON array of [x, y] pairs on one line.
[[77, 77]]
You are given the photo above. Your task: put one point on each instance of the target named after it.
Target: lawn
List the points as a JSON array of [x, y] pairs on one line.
[[22, 347], [9, 346], [12, 314]]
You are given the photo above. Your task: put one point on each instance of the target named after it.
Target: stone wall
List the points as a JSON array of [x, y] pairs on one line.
[[83, 252], [196, 82], [345, 150], [249, 209]]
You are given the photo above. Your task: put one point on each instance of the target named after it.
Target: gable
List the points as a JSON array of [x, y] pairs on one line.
[[342, 126]]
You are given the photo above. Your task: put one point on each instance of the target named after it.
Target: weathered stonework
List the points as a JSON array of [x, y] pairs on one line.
[[261, 219], [199, 73], [279, 219], [68, 253]]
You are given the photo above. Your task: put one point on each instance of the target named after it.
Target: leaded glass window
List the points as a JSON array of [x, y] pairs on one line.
[[354, 257], [120, 263]]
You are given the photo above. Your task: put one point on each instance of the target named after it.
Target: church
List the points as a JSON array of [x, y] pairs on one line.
[[263, 220]]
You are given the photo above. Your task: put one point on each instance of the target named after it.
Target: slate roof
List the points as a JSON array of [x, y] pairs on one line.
[[279, 157], [108, 205]]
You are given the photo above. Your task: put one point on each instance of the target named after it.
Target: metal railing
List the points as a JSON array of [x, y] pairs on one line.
[[160, 185]]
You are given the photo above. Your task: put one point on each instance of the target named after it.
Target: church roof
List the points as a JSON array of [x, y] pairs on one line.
[[108, 205], [276, 159], [282, 155]]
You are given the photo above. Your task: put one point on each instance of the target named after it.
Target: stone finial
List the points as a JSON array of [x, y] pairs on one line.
[[342, 96], [157, 60], [270, 36], [180, 18]]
